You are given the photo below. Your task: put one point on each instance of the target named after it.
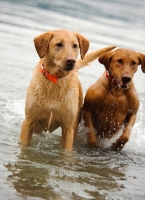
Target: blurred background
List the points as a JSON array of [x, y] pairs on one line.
[[43, 170]]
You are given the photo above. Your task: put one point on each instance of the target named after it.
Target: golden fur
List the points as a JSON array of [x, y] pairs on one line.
[[51, 105]]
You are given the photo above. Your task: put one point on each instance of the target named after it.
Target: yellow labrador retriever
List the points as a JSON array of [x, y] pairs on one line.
[[112, 101], [54, 97]]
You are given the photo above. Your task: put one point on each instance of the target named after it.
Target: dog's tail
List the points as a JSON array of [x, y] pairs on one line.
[[92, 56]]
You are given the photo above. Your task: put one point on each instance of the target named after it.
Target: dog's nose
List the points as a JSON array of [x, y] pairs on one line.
[[70, 62], [126, 79]]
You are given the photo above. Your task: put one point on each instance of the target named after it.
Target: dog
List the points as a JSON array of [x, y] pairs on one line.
[[112, 101], [54, 97]]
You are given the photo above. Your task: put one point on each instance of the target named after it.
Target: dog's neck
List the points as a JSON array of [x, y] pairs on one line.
[[111, 79], [48, 75]]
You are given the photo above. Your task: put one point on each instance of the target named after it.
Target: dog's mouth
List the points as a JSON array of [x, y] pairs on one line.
[[69, 67], [125, 81], [124, 86]]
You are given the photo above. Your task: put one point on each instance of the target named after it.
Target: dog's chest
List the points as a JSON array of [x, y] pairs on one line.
[[111, 114], [60, 99], [57, 98], [114, 104]]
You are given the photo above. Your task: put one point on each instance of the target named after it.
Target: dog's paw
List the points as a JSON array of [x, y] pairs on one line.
[[117, 146], [92, 142]]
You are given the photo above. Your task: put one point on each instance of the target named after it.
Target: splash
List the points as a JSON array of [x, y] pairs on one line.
[[134, 145], [13, 111]]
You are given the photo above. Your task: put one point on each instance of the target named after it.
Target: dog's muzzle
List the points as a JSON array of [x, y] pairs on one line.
[[125, 81], [70, 63]]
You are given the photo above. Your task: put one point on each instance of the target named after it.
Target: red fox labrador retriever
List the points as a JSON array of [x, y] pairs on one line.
[[54, 97], [112, 101]]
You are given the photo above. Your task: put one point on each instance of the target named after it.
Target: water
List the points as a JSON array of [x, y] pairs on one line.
[[43, 170]]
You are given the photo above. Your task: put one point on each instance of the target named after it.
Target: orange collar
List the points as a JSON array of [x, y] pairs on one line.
[[111, 79], [47, 75]]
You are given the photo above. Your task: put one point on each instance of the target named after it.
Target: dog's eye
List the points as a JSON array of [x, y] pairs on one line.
[[59, 44], [75, 46], [120, 61], [133, 63]]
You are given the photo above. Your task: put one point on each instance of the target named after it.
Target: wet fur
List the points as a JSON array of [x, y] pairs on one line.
[[108, 106], [49, 105]]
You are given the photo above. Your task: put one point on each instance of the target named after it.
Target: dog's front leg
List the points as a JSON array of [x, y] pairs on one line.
[[123, 139], [26, 131], [67, 138], [91, 136]]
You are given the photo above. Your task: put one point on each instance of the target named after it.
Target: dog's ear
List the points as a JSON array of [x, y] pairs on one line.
[[84, 45], [141, 58], [41, 43], [105, 59]]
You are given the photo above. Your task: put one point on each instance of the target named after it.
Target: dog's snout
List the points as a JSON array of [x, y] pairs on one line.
[[70, 62], [126, 79]]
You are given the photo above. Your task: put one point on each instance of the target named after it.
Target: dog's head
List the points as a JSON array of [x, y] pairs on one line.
[[60, 48], [122, 64]]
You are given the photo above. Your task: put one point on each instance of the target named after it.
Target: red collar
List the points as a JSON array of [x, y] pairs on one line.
[[111, 79], [47, 75]]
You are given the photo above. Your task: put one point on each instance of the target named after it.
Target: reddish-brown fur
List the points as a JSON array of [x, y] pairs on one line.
[[112, 101]]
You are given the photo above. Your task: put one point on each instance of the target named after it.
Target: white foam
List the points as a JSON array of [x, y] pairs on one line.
[[136, 143], [14, 110]]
